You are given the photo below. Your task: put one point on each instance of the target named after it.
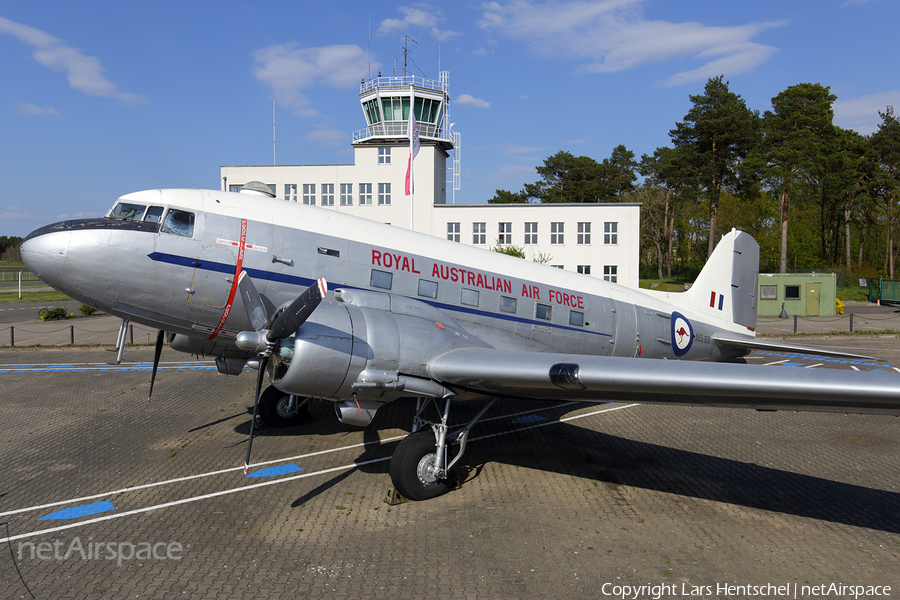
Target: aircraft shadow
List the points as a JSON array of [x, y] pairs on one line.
[[615, 460]]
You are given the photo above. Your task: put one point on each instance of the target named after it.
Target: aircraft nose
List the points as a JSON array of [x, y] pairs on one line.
[[44, 253]]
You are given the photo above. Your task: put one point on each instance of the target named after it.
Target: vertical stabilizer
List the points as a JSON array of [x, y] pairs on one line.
[[726, 287]]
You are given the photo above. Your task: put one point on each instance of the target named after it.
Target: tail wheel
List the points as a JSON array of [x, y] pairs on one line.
[[413, 467], [276, 411]]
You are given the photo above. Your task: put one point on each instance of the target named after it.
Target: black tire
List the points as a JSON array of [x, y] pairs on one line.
[[272, 405], [406, 467]]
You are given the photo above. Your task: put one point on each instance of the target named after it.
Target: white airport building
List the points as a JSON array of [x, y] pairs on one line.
[[597, 239]]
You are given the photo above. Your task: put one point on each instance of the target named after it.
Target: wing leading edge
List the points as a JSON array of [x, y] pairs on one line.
[[547, 376]]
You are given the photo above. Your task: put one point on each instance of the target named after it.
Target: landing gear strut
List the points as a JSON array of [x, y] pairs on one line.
[[420, 466], [278, 409]]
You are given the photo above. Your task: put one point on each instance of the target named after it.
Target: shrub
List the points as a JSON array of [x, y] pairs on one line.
[[50, 314], [87, 310]]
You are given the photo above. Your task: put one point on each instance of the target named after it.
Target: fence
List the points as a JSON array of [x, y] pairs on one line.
[[14, 276], [89, 331]]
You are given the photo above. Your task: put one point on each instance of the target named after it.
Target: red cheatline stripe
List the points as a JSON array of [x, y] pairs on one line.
[[712, 299], [234, 283]]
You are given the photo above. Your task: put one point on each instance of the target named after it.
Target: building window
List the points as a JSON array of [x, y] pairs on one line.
[[531, 234], [365, 194], [346, 194], [327, 194], [584, 234], [309, 193], [557, 234], [381, 279], [384, 194], [768, 292], [558, 266], [428, 289], [235, 187], [469, 297], [611, 233], [611, 273], [453, 232], [576, 318], [479, 233], [504, 231], [584, 269], [508, 304], [384, 156], [290, 192], [543, 311], [792, 292]]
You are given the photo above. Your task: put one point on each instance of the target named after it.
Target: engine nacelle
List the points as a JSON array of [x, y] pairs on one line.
[[368, 346]]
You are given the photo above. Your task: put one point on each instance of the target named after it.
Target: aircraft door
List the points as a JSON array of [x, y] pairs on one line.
[[626, 340], [213, 276]]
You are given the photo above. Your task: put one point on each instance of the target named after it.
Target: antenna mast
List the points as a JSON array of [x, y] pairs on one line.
[[273, 131]]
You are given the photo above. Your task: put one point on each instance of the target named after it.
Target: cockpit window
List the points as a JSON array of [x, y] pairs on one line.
[[179, 222], [127, 211], [154, 213]]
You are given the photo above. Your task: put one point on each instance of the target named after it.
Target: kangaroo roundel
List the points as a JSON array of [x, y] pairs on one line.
[[682, 334]]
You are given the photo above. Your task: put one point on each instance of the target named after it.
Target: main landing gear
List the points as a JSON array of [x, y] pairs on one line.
[[279, 409], [420, 466]]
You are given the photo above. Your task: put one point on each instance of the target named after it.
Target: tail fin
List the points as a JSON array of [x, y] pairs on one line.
[[726, 287]]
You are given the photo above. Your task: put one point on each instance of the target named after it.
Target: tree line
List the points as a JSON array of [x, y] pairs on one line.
[[813, 195]]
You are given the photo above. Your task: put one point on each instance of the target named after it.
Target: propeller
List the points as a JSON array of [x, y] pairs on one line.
[[157, 352], [263, 340]]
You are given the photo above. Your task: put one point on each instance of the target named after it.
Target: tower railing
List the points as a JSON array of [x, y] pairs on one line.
[[398, 129], [400, 82]]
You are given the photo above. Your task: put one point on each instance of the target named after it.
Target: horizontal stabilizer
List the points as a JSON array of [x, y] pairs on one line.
[[758, 344]]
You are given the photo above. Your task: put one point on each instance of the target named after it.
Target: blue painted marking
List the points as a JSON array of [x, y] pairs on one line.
[[529, 419], [721, 301], [274, 471], [260, 274], [792, 364], [79, 511]]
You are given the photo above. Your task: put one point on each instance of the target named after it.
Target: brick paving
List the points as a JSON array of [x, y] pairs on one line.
[[641, 495]]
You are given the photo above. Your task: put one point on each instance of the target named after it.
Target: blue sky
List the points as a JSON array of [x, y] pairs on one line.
[[103, 98]]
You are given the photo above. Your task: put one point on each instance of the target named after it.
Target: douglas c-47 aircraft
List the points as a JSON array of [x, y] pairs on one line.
[[243, 278]]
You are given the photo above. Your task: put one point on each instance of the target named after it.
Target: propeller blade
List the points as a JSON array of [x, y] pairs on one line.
[[157, 352], [259, 380], [253, 303], [298, 310]]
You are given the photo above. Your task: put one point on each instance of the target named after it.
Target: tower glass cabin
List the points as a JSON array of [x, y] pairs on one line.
[[387, 101]]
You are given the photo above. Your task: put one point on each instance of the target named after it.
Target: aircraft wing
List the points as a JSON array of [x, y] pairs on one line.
[[549, 376], [757, 344]]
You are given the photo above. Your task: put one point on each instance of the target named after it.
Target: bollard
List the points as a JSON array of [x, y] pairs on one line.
[[795, 323], [72, 334], [131, 331], [851, 322], [12, 336]]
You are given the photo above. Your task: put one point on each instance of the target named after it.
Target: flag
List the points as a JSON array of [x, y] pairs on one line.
[[412, 131]]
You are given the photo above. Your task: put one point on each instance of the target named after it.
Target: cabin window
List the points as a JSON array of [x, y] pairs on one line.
[[576, 318], [768, 292], [129, 212], [469, 297], [154, 214], [179, 222], [507, 304], [428, 289], [792, 292], [381, 279], [543, 311]]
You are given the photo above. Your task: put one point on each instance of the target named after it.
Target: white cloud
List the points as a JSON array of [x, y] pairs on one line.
[[328, 137], [289, 71], [416, 18], [861, 114], [38, 111], [468, 100], [85, 73], [613, 35]]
